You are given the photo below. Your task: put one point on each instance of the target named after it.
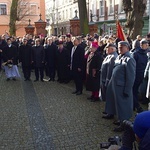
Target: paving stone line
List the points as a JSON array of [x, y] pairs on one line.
[[41, 136]]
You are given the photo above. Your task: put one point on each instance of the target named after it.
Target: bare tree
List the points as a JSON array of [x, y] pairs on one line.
[[18, 11], [83, 17], [134, 10]]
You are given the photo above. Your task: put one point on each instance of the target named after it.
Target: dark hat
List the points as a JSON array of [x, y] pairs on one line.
[[96, 36], [143, 41], [60, 42], [110, 45], [124, 43], [68, 35], [90, 39]]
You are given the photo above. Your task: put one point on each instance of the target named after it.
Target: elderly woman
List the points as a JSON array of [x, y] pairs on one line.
[[94, 62]]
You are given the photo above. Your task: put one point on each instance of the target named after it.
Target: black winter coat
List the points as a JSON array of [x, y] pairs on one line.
[[10, 53], [93, 83], [50, 55], [63, 63], [38, 56], [25, 55]]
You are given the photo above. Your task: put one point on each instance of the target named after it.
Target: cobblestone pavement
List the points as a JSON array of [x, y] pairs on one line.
[[46, 116]]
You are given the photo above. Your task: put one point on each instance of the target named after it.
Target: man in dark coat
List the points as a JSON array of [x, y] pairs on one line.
[[25, 57], [119, 91], [77, 66], [50, 58], [63, 63], [69, 46], [106, 72], [2, 45], [10, 56], [38, 59], [94, 63], [141, 59]]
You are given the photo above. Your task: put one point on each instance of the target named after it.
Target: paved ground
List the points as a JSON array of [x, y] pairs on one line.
[[46, 116]]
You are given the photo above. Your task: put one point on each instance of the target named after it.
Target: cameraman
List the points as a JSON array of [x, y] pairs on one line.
[[141, 129]]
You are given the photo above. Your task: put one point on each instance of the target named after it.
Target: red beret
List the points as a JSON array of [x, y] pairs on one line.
[[95, 44]]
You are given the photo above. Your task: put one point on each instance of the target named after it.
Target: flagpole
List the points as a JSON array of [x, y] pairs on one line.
[[116, 17]]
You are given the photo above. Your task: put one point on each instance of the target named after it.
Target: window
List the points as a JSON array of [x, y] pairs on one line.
[[111, 9], [101, 8], [70, 12], [33, 9], [3, 10], [122, 8], [66, 14]]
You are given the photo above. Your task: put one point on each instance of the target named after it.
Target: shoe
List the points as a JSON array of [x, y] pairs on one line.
[[95, 99], [74, 92], [25, 79], [139, 110], [118, 123], [36, 80], [104, 112], [91, 97], [145, 102], [119, 129], [108, 116], [78, 93], [14, 79], [8, 79], [49, 79]]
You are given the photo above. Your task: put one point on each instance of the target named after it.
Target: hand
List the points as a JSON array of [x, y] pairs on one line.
[[94, 73], [79, 69], [125, 95], [1, 51], [8, 61]]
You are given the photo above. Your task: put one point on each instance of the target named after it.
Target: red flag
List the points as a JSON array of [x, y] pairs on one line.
[[120, 33]]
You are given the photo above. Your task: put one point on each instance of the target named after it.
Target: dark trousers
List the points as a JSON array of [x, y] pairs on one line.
[[26, 71], [39, 71], [78, 79], [51, 72], [136, 86], [103, 91]]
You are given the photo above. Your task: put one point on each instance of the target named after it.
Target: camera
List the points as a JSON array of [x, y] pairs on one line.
[[127, 138], [116, 140]]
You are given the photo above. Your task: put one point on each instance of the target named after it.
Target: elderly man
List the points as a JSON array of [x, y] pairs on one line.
[[119, 90], [38, 57], [77, 66], [141, 59], [106, 72], [25, 58]]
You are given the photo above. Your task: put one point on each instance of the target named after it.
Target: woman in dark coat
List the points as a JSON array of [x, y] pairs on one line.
[[63, 63], [93, 72]]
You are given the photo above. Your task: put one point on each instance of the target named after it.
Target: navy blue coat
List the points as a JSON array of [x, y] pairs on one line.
[[141, 59]]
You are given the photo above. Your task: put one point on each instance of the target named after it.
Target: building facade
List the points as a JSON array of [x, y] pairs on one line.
[[27, 9], [101, 12]]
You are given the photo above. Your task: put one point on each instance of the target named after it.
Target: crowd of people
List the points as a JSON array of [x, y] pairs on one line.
[[113, 70]]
